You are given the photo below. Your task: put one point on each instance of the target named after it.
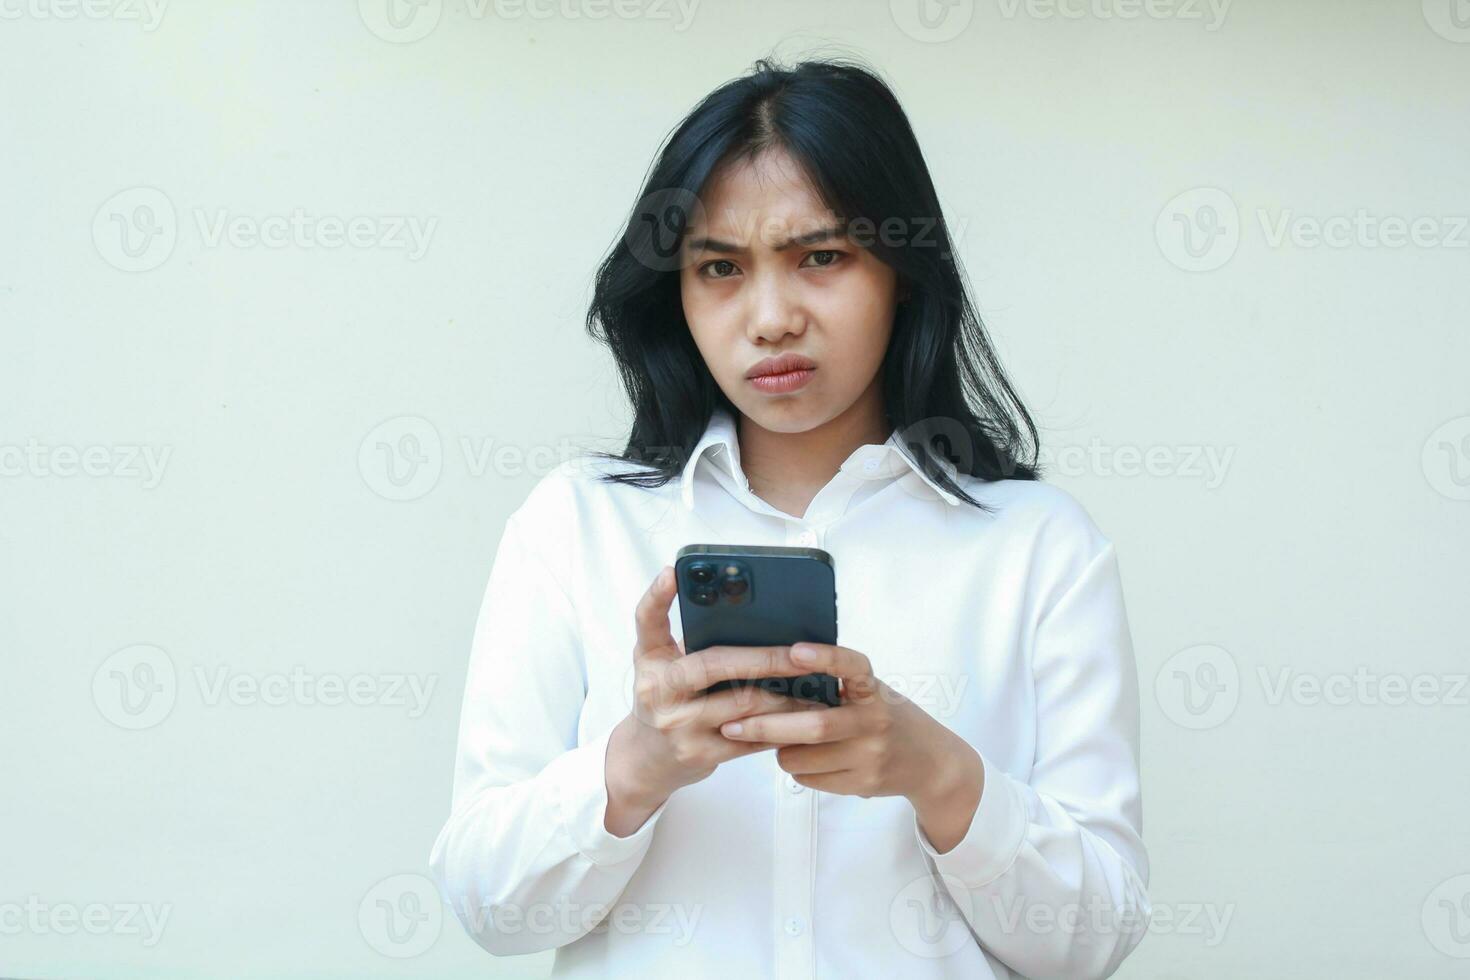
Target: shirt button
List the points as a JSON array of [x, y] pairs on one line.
[[870, 465], [793, 927], [807, 538], [793, 785]]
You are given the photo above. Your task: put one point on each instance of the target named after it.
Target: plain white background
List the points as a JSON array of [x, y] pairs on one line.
[[259, 440]]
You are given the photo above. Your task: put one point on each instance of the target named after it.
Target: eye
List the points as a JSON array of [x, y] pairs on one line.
[[704, 270], [833, 253]]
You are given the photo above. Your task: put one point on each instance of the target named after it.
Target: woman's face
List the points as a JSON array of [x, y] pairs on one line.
[[750, 293]]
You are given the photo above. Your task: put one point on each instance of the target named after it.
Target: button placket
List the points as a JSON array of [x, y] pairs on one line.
[[793, 880], [796, 829]]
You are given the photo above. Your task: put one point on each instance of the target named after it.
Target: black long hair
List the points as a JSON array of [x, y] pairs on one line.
[[944, 389]]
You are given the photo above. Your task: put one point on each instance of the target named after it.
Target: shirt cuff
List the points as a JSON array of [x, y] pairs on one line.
[[581, 806], [994, 838]]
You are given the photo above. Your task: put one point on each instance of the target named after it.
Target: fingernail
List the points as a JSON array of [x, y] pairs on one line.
[[732, 728], [803, 653]]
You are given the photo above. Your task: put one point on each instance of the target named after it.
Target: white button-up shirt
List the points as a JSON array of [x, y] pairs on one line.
[[1007, 627]]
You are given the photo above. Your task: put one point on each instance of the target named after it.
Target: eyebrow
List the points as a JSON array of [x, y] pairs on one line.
[[810, 238]]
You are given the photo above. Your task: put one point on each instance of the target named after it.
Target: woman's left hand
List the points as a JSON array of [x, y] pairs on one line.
[[876, 743]]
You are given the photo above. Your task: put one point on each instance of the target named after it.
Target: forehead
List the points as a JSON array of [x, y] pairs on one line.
[[771, 189]]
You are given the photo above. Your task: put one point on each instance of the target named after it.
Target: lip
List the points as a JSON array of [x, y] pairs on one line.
[[782, 364], [779, 384], [782, 374]]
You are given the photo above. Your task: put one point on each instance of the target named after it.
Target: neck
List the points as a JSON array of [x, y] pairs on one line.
[[788, 468]]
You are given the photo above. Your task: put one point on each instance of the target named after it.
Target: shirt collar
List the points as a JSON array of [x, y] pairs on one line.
[[721, 442]]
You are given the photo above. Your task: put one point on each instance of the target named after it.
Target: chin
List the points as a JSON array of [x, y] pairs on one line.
[[797, 413]]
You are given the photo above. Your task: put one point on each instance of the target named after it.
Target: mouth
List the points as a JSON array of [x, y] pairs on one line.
[[778, 375]]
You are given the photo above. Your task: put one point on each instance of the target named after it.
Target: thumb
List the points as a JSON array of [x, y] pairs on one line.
[[651, 618]]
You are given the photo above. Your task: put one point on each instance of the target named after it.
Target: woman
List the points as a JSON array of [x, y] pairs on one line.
[[806, 369]]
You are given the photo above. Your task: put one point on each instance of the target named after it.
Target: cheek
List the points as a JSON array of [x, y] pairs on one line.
[[860, 326], [709, 327], [696, 312], [865, 294]]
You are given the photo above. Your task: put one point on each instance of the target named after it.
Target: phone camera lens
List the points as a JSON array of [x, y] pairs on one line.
[[705, 597], [702, 574], [734, 586]]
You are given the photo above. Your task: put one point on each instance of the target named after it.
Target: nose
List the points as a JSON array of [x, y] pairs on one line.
[[776, 311]]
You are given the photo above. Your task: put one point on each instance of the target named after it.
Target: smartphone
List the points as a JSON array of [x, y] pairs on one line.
[[756, 595]]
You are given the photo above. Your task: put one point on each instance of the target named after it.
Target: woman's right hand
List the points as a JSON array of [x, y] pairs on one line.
[[672, 737]]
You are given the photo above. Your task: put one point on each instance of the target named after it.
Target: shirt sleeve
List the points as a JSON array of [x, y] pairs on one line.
[[1052, 873], [525, 858]]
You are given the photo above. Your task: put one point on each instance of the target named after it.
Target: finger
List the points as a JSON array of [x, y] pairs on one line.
[[828, 658], [651, 618], [830, 725], [734, 750], [801, 760], [713, 664], [727, 750], [713, 710]]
